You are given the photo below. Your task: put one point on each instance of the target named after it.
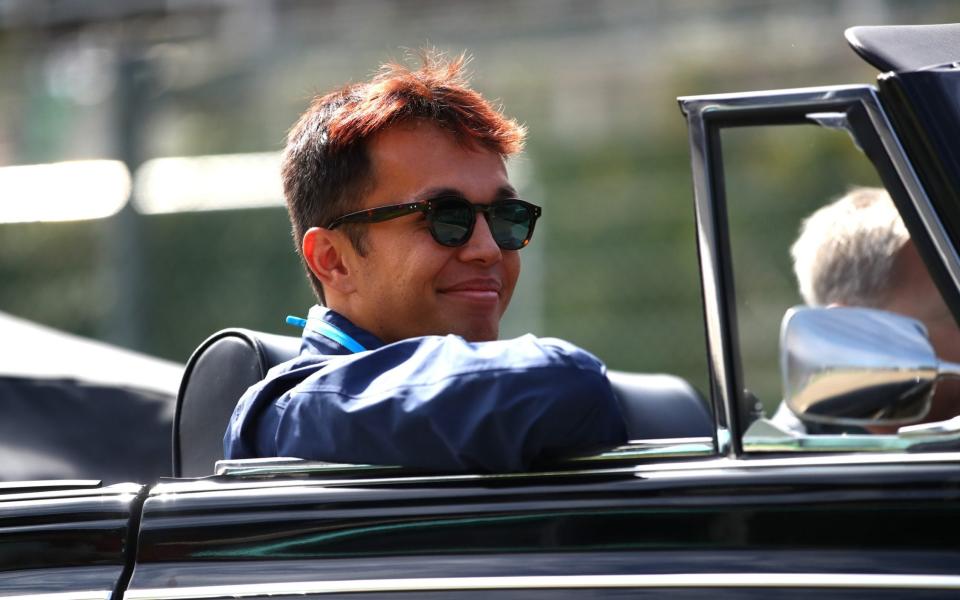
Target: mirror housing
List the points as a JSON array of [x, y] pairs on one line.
[[857, 366]]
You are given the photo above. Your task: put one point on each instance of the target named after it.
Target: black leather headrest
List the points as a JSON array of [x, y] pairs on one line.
[[217, 374], [661, 406]]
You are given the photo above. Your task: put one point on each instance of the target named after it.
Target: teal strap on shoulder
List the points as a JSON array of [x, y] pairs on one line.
[[296, 321], [328, 331], [332, 333]]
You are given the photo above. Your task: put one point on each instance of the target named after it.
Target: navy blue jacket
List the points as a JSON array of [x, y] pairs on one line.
[[435, 402]]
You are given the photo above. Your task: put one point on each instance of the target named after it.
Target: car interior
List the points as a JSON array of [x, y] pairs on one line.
[[655, 406]]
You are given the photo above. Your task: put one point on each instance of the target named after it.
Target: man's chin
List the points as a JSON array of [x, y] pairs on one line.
[[473, 321], [478, 332]]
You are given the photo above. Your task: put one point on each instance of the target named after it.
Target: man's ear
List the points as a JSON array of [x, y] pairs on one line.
[[323, 250]]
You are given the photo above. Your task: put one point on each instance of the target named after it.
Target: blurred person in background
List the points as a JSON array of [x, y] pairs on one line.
[[410, 232], [856, 251]]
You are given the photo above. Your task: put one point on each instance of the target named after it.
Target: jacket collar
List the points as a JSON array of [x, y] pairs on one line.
[[318, 337]]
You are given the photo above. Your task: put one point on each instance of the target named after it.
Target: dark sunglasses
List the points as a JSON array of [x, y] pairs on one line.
[[452, 219]]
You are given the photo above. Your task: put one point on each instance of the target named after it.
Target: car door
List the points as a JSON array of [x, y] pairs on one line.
[[66, 539]]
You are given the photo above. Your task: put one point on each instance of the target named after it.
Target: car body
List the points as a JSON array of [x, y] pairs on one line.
[[741, 511], [78, 409]]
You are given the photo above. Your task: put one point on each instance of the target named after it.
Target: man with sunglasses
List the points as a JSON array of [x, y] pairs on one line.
[[410, 233]]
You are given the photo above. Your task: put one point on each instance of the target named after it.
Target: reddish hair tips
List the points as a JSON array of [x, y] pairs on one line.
[[438, 91]]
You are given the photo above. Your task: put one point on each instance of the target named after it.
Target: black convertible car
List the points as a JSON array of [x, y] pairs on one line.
[[724, 502]]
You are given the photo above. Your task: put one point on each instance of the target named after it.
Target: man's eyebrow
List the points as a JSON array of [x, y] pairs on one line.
[[504, 191], [437, 192]]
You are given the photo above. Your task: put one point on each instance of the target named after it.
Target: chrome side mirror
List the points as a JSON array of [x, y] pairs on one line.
[[857, 366]]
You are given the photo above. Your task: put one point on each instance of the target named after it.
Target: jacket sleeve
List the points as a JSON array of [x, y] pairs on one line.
[[442, 403]]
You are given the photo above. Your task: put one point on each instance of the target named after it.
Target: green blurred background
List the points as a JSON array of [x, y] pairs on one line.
[[614, 265]]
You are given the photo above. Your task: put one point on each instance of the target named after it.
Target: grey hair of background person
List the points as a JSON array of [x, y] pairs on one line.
[[846, 250]]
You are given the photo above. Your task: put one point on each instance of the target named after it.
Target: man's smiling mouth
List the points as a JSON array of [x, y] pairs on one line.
[[484, 289]]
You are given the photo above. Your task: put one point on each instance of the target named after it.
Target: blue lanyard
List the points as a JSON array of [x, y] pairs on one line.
[[330, 332]]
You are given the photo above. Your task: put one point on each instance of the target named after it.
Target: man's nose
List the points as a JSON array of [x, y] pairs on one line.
[[481, 246]]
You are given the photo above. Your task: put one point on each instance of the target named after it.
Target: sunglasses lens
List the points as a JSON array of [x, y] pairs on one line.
[[452, 222], [510, 224]]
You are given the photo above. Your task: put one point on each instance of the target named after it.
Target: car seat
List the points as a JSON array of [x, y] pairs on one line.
[[217, 374], [227, 363]]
